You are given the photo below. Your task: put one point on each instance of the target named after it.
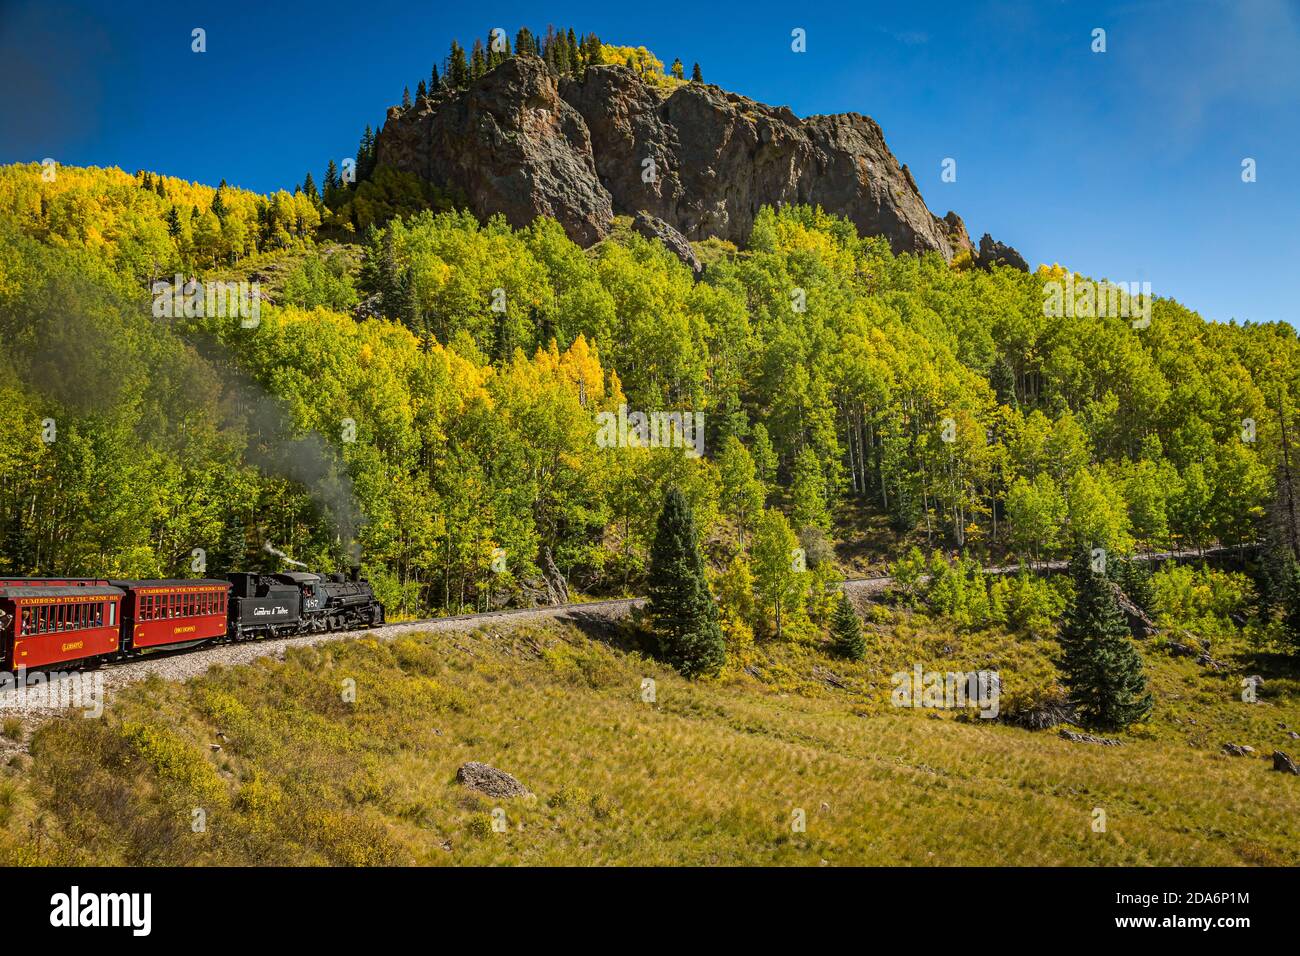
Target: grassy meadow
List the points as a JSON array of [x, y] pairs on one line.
[[710, 772]]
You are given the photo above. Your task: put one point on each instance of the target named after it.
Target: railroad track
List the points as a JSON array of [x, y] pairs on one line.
[[183, 663]]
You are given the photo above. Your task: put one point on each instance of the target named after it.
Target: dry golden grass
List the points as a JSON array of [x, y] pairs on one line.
[[711, 773]]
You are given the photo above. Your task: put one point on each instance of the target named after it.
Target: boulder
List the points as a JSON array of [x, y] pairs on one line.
[[1238, 750], [1088, 738], [655, 228], [489, 780], [1284, 763], [1138, 620]]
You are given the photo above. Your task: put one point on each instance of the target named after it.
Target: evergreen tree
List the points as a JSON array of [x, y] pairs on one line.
[[458, 67], [366, 155], [1100, 665], [406, 97], [435, 83], [477, 61], [682, 611], [219, 204], [174, 223], [525, 42], [421, 91], [677, 70], [846, 630], [309, 187], [590, 51], [696, 75], [1134, 579]]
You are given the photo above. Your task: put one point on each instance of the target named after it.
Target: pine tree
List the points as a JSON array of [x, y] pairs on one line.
[[477, 61], [434, 82], [366, 155], [682, 611], [309, 187], [1100, 665], [219, 205], [174, 224], [846, 630], [677, 69], [406, 97], [525, 42], [458, 67], [421, 91], [696, 75]]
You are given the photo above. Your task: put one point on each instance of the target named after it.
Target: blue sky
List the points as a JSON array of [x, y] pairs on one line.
[[1124, 164]]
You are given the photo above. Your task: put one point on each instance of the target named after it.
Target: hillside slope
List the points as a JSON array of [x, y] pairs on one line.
[[287, 771]]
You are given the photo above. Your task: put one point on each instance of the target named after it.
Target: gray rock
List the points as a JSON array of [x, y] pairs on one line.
[[653, 227], [1238, 750], [489, 780], [1139, 622], [1088, 738], [1284, 763]]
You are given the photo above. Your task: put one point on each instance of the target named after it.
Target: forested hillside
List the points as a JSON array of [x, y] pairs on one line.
[[439, 402]]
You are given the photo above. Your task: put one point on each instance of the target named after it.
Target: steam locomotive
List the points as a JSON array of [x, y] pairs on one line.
[[56, 621]]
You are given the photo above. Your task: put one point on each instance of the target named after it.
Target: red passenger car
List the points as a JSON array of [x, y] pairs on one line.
[[52, 622], [163, 613]]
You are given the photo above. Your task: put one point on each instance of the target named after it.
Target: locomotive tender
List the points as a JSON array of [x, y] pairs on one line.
[[55, 621]]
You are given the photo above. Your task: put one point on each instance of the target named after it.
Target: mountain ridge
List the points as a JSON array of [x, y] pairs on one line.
[[697, 161]]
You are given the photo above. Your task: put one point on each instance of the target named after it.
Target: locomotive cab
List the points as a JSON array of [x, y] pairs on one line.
[[262, 606]]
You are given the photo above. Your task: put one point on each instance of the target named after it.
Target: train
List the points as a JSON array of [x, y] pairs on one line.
[[85, 622]]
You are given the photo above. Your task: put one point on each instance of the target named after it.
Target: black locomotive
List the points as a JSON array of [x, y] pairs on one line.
[[299, 602]]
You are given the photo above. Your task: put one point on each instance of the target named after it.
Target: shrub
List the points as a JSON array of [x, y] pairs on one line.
[[1201, 600]]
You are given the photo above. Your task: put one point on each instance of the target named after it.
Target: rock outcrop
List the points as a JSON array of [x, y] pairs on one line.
[[652, 227], [1139, 622], [993, 252], [489, 780], [508, 145], [699, 160]]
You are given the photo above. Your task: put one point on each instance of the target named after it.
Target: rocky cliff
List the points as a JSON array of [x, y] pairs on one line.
[[697, 161]]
